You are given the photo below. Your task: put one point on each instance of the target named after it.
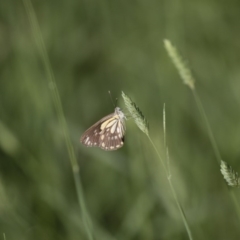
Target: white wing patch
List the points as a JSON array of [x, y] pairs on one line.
[[113, 128]]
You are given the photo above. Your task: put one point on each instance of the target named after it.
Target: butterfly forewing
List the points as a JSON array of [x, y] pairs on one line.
[[107, 133]]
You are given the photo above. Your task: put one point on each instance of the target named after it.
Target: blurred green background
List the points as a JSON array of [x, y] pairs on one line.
[[97, 46]]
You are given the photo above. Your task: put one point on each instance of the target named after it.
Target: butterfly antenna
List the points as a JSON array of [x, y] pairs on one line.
[[109, 92]]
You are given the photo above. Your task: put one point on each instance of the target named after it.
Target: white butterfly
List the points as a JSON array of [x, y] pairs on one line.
[[107, 133]]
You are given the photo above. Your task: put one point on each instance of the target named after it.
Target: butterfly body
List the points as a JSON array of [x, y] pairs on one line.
[[107, 133]]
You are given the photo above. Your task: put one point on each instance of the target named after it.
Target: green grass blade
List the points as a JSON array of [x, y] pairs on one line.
[[143, 125], [58, 105], [182, 68]]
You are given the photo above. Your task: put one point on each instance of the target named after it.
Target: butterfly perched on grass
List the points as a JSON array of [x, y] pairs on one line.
[[107, 133]]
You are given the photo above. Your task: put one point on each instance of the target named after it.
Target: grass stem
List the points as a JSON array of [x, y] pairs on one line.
[[60, 113], [209, 130], [143, 125], [173, 191], [188, 79]]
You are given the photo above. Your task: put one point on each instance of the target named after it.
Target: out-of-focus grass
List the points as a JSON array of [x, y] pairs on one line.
[[143, 125], [104, 45]]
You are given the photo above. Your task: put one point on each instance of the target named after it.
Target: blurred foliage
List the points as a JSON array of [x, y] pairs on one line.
[[94, 47]]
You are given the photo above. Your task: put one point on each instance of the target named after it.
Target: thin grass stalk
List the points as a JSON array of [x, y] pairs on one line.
[[60, 113], [169, 174], [189, 80], [235, 200], [209, 130], [164, 127], [165, 141], [173, 191], [143, 125]]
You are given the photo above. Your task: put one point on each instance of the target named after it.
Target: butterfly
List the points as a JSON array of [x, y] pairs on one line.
[[107, 133]]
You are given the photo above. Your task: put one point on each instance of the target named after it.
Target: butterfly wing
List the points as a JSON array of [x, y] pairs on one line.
[[112, 135], [90, 137], [107, 133]]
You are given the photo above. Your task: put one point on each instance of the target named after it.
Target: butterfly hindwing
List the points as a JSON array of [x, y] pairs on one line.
[[90, 137]]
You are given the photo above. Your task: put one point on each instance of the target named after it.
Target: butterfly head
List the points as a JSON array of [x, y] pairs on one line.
[[119, 112]]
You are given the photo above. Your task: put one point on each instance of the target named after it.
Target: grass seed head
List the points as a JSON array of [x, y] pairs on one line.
[[136, 113], [180, 64], [230, 175]]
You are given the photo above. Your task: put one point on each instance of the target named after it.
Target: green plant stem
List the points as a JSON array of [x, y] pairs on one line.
[[233, 196], [60, 113], [188, 79], [173, 191], [214, 145], [209, 130]]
